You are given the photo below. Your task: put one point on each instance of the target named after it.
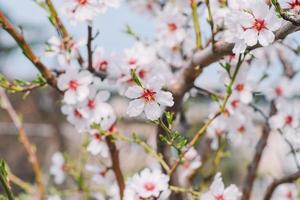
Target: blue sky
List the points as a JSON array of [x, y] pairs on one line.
[[110, 25]]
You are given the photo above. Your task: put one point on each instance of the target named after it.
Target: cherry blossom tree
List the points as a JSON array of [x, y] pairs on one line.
[[251, 108]]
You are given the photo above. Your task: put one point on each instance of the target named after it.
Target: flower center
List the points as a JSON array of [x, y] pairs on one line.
[[148, 95], [259, 24], [64, 168], [289, 195], [149, 6], [82, 2], [91, 104], [149, 186], [220, 197], [103, 173], [172, 27], [77, 113], [98, 137], [295, 5], [235, 103], [242, 130], [288, 120], [73, 84], [102, 65], [240, 87], [278, 91], [112, 129]]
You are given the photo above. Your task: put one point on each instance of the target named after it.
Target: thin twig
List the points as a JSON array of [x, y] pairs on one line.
[[30, 150], [61, 29], [276, 183], [185, 190], [89, 48], [193, 141], [211, 23], [27, 187], [196, 22]]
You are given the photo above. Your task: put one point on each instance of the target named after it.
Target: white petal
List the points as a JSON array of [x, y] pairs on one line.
[[155, 83], [102, 96], [94, 147], [246, 97], [260, 10], [239, 47], [232, 192], [266, 37], [152, 111], [58, 159], [250, 37], [135, 107], [217, 187], [164, 98], [82, 93], [70, 97], [85, 77], [207, 196], [273, 22], [134, 92], [62, 82], [246, 20]]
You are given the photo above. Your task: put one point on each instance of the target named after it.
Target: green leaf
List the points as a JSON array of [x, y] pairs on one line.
[[215, 98], [129, 31], [170, 118], [21, 83], [40, 80], [4, 180], [179, 141]]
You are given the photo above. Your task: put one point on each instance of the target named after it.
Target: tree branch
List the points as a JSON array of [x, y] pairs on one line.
[[253, 166], [89, 48], [27, 51], [276, 183], [114, 154], [61, 29], [204, 57], [196, 23]]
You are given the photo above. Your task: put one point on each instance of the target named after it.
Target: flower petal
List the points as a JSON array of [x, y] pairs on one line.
[[70, 97], [250, 37], [152, 111], [135, 107], [266, 37], [134, 92], [164, 98]]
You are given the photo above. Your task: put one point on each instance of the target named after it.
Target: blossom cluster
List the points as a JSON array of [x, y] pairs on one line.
[[143, 74]]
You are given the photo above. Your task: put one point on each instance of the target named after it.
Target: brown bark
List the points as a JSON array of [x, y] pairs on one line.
[[114, 154]]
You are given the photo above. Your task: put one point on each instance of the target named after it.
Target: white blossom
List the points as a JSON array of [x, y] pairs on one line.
[[75, 85], [217, 191], [58, 168], [147, 184], [148, 99]]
